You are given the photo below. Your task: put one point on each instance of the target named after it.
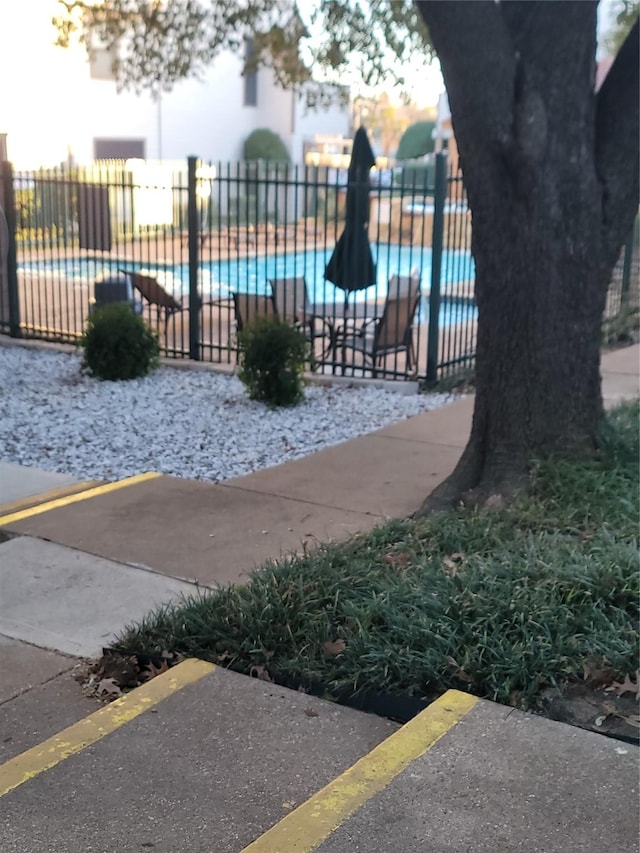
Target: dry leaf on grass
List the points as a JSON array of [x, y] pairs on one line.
[[398, 561], [452, 563], [626, 686], [597, 674], [335, 648], [494, 502], [459, 671], [611, 710], [260, 672]]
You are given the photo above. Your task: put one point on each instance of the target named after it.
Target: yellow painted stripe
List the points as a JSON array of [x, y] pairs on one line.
[[45, 497], [11, 518], [93, 728], [304, 829]]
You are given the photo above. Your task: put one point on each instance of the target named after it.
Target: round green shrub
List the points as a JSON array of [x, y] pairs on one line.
[[416, 141], [272, 360], [264, 144], [118, 344], [418, 176]]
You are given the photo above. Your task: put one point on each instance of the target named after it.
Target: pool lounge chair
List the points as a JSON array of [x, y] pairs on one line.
[[377, 338], [155, 295]]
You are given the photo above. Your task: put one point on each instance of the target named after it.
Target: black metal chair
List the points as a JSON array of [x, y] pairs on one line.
[[292, 303], [250, 306], [376, 338]]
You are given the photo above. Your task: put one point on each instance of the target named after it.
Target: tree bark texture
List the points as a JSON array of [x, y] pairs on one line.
[[551, 172]]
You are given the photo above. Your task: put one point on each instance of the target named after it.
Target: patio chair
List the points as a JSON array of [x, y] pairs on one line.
[[378, 337], [250, 306], [292, 304], [155, 295]]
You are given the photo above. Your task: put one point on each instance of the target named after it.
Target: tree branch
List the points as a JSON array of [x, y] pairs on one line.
[[617, 148]]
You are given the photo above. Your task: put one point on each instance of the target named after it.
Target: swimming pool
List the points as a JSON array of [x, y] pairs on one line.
[[220, 278]]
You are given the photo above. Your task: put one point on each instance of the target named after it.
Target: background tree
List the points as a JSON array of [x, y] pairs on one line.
[[550, 167], [416, 141]]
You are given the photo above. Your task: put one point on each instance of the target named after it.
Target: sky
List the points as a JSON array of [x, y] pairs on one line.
[[424, 81]]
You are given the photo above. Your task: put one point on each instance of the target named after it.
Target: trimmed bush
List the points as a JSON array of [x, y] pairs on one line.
[[272, 359], [416, 141], [417, 176], [118, 344], [264, 144]]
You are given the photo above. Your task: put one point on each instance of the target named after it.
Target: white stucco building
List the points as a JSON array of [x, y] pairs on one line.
[[53, 108]]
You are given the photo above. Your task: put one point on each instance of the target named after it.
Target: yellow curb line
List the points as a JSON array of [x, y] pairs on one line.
[[93, 728], [44, 497], [304, 829], [75, 498]]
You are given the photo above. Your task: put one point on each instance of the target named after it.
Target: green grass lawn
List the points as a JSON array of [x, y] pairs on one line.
[[502, 603]]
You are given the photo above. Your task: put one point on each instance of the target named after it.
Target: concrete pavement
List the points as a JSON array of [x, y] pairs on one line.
[[220, 762], [64, 599], [18, 483], [86, 559]]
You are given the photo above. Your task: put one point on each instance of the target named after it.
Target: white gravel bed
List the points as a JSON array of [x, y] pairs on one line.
[[188, 423]]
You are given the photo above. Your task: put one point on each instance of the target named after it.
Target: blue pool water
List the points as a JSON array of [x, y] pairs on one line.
[[251, 275]]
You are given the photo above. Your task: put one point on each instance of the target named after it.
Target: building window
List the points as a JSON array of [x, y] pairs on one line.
[[250, 77], [118, 149]]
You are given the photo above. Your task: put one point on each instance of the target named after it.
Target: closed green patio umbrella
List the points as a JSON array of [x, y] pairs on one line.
[[351, 265]]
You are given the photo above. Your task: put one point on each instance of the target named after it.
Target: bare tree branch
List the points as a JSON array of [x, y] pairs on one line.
[[617, 147]]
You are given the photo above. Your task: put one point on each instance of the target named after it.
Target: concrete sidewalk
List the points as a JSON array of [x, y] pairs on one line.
[[86, 559], [220, 762]]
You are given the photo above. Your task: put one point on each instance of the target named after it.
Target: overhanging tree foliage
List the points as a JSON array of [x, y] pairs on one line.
[[551, 170], [155, 44]]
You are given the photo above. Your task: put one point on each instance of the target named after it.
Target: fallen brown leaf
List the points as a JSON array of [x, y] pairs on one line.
[[335, 648], [459, 671], [151, 670], [450, 566], [494, 502], [597, 674], [626, 686], [125, 670], [108, 688], [260, 671], [398, 561]]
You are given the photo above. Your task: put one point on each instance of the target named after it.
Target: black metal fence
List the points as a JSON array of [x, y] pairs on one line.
[[206, 247]]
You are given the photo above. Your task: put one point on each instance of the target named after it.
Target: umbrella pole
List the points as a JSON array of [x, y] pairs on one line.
[[344, 330]]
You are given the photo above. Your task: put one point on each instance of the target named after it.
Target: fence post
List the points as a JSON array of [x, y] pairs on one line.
[[193, 225], [9, 263], [626, 269], [437, 239]]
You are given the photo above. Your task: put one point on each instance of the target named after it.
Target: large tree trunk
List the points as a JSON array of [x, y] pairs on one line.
[[552, 200]]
